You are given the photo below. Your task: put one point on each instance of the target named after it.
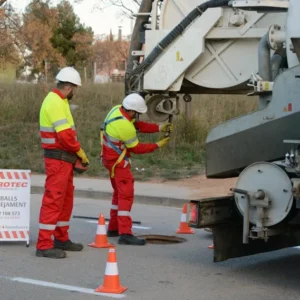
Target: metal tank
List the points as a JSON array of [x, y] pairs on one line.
[[216, 47], [259, 136], [212, 52]]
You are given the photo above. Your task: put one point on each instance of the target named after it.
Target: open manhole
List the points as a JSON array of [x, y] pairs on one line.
[[162, 239]]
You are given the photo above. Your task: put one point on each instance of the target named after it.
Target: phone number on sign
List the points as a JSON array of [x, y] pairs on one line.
[[10, 213]]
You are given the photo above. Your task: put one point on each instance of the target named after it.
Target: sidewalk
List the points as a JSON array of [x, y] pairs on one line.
[[145, 193], [172, 193]]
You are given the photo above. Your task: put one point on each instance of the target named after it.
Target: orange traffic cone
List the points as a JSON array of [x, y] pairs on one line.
[[111, 283], [183, 227], [101, 237]]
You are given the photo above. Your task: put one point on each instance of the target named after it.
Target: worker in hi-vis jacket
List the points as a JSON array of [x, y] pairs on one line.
[[119, 139], [61, 152]]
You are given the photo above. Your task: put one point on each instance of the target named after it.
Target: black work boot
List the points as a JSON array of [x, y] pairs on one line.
[[67, 246], [127, 239], [51, 253], [112, 233]]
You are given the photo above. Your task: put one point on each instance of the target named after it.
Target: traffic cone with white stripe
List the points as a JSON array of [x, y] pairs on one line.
[[183, 226], [111, 282], [101, 236]]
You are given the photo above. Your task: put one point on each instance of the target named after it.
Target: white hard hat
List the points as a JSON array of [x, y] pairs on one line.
[[69, 74], [135, 102]]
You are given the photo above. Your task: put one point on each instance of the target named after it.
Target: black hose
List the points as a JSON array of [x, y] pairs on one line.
[[136, 43], [95, 218], [178, 30]]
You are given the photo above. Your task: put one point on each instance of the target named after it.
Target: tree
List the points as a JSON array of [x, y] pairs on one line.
[[127, 7], [2, 2], [103, 54], [71, 38], [11, 47], [55, 37], [110, 54], [40, 20], [121, 49]]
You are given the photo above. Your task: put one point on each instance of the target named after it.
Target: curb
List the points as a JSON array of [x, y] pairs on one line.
[[106, 196]]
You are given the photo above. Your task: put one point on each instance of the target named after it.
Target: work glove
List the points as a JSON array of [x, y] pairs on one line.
[[83, 157], [166, 127], [163, 142]]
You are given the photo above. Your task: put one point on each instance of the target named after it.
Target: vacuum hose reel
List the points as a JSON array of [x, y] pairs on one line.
[[264, 197], [134, 76]]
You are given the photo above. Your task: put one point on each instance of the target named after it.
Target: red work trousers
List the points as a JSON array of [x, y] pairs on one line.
[[57, 203], [123, 195]]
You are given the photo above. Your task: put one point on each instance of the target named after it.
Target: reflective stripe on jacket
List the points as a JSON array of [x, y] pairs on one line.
[[57, 128], [121, 132]]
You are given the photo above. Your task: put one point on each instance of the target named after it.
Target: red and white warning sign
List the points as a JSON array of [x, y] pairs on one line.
[[14, 205]]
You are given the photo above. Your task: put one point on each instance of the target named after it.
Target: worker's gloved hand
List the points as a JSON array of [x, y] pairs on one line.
[[163, 142], [83, 157], [166, 127], [79, 167]]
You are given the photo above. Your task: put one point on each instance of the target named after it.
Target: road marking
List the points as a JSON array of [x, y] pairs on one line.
[[133, 226], [69, 288]]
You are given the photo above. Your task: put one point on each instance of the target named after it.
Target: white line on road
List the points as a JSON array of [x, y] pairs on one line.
[[69, 288], [133, 226]]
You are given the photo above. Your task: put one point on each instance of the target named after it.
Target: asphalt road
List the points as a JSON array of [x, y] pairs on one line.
[[179, 271]]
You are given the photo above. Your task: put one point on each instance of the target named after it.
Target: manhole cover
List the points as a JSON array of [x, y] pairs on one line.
[[162, 239]]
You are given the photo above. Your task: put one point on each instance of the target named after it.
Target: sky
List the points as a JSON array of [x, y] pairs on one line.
[[100, 21]]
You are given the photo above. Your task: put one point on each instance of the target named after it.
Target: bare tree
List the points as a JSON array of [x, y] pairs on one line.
[[2, 2], [122, 48], [11, 40], [127, 7]]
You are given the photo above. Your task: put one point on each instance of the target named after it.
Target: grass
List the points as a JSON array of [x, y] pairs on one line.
[[183, 157], [7, 73]]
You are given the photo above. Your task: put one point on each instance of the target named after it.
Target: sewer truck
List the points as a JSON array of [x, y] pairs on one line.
[[182, 48]]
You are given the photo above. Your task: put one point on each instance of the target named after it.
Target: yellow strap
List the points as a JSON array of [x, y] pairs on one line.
[[121, 157], [117, 162]]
